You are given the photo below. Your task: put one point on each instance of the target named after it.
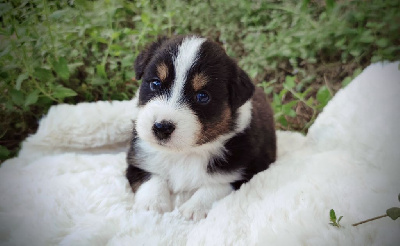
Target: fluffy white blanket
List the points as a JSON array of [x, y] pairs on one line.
[[67, 185]]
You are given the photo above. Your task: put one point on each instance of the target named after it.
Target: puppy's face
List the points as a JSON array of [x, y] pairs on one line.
[[190, 92]]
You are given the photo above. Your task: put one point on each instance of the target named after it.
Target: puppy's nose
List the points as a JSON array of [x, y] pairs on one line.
[[162, 130]]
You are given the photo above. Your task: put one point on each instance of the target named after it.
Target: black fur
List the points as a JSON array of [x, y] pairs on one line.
[[260, 136], [136, 176], [251, 151], [144, 57]]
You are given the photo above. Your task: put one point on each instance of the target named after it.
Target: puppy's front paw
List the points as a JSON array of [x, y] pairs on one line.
[[198, 206], [150, 203], [193, 211], [154, 196]]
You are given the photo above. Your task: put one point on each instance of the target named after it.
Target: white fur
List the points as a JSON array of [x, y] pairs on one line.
[[186, 170], [187, 126], [71, 195], [185, 59], [153, 195], [173, 109], [244, 117], [200, 202], [179, 161]]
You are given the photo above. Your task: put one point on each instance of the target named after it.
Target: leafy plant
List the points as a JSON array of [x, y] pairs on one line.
[[292, 96], [334, 221], [55, 52], [393, 213]]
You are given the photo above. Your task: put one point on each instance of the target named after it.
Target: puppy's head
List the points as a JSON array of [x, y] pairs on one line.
[[190, 92]]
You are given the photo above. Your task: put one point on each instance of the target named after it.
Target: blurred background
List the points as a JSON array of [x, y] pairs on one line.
[[301, 52]]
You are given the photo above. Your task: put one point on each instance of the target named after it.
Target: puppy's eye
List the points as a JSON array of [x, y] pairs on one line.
[[202, 97], [155, 85]]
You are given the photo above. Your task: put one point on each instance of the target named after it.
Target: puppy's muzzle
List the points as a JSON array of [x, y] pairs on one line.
[[163, 130]]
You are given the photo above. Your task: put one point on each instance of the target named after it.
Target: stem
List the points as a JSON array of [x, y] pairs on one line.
[[328, 86], [110, 41], [310, 106], [299, 97], [290, 10], [365, 221], [311, 121], [104, 61], [24, 57], [28, 67], [47, 23], [42, 90], [142, 32]]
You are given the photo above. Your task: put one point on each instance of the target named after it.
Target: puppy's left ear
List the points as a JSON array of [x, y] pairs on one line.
[[240, 90], [145, 56]]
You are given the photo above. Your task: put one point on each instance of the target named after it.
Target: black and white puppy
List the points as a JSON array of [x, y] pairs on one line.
[[202, 129]]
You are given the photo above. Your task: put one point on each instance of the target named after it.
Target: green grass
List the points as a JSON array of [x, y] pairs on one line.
[[300, 52]]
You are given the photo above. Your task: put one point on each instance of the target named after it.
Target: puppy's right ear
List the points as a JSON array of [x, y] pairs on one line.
[[144, 57]]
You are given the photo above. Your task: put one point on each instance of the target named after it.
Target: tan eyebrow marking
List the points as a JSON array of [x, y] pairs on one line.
[[162, 71], [199, 81]]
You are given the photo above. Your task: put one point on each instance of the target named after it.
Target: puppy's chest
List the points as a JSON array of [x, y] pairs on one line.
[[182, 171]]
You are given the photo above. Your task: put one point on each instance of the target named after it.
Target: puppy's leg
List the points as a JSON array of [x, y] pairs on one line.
[[200, 203], [136, 176], [154, 195]]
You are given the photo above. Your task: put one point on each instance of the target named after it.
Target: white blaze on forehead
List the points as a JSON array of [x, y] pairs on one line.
[[187, 56]]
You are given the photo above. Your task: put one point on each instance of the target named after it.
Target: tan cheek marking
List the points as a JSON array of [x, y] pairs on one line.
[[212, 130], [199, 81], [162, 71]]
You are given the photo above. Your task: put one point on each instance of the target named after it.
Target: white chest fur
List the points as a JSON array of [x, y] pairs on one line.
[[184, 171]]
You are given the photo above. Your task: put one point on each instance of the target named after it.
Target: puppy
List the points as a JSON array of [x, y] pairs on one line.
[[202, 130]]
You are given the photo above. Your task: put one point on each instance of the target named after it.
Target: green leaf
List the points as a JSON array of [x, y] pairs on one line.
[[340, 218], [127, 61], [283, 93], [4, 8], [61, 68], [382, 43], [268, 90], [393, 213], [43, 74], [62, 92], [115, 35], [58, 14], [276, 99], [329, 4], [289, 82], [4, 152], [323, 96], [283, 121], [287, 108], [355, 53], [346, 81], [98, 81], [332, 215], [305, 93], [101, 71], [310, 101], [5, 51], [20, 79], [32, 98], [17, 97], [145, 18]]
